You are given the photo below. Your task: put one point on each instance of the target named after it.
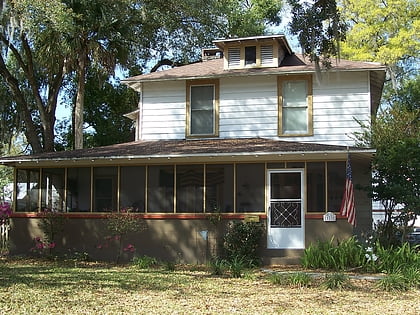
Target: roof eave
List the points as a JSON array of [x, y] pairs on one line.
[[227, 74], [322, 155]]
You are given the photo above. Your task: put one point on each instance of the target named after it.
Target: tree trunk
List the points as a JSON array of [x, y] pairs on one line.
[[80, 98]]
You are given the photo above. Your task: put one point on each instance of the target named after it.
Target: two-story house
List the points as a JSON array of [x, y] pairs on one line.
[[251, 132]]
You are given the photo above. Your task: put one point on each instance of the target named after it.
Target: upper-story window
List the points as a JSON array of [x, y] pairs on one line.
[[202, 108], [295, 105], [250, 55]]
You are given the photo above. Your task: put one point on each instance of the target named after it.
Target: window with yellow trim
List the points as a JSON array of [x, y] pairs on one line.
[[295, 105], [202, 108]]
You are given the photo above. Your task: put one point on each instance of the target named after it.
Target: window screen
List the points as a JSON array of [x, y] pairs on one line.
[[250, 55], [202, 110], [295, 107]]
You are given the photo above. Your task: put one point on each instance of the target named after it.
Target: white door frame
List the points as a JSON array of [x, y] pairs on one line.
[[283, 233]]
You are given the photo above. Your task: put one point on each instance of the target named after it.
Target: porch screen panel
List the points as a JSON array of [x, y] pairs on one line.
[[336, 181], [105, 189], [202, 110], [52, 195], [27, 190], [219, 188], [160, 190], [78, 189], [250, 186], [132, 191], [189, 188], [315, 186], [295, 107]]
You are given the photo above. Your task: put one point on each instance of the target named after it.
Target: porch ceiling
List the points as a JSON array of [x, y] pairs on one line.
[[190, 151]]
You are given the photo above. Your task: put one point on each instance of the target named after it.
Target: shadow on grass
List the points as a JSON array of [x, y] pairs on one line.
[[56, 276]]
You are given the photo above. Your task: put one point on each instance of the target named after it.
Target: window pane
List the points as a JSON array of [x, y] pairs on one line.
[[27, 190], [53, 189], [285, 186], [295, 120], [132, 189], [160, 190], [219, 188], [202, 122], [294, 93], [336, 182], [105, 189], [250, 187], [250, 55], [316, 187], [189, 188], [295, 164], [78, 189], [276, 165], [202, 109]]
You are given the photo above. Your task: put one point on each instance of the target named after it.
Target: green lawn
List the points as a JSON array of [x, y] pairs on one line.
[[33, 287]]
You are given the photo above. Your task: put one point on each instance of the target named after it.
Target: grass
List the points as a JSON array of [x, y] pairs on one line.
[[29, 287]]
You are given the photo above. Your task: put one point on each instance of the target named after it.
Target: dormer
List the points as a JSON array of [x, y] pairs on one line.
[[253, 52]]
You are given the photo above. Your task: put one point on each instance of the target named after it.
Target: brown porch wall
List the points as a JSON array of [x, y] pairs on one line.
[[167, 240]]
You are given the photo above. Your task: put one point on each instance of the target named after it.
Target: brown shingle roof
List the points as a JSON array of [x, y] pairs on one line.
[[179, 148], [214, 68]]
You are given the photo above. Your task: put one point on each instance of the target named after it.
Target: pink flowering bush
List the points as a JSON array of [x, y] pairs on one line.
[[5, 212], [120, 224], [42, 247], [52, 223]]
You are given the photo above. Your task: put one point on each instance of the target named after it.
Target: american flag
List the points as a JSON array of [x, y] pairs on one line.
[[347, 204]]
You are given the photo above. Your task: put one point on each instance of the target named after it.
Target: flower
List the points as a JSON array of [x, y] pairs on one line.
[[5, 210], [129, 248]]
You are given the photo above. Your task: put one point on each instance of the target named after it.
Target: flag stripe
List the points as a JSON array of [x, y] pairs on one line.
[[347, 205]]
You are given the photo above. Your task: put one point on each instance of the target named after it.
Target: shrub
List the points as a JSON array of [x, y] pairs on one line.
[[169, 265], [296, 279], [395, 259], [144, 262], [236, 267], [393, 282], [412, 276], [336, 281], [241, 242], [119, 225], [217, 266], [334, 255], [300, 279], [52, 223], [279, 278]]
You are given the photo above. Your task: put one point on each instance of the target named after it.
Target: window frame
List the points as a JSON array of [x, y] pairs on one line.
[[189, 85], [309, 103]]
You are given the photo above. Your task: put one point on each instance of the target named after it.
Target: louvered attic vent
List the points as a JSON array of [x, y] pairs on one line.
[[234, 57], [266, 55]]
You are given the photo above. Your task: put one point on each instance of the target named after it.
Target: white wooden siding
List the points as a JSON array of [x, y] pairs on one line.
[[163, 110], [248, 108]]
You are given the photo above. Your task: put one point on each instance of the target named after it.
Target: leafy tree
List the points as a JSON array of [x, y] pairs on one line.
[[184, 27], [30, 76], [319, 28], [395, 134], [107, 102], [46, 44], [385, 31]]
